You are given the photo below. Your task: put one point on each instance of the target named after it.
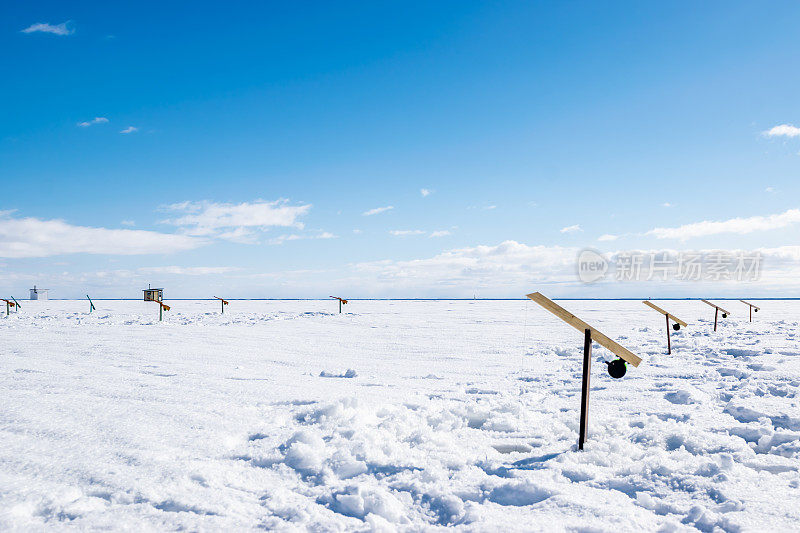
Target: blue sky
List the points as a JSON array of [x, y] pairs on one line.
[[237, 148]]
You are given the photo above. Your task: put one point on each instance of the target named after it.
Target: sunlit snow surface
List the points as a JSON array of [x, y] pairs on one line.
[[455, 413]]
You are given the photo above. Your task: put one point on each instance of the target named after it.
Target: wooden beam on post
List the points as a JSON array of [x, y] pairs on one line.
[[751, 308], [669, 316], [224, 303], [161, 308], [716, 312], [342, 301], [601, 339], [616, 368]]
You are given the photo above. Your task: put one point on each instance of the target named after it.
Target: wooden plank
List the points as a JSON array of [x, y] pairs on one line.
[[601, 339], [673, 317], [751, 305], [715, 305]]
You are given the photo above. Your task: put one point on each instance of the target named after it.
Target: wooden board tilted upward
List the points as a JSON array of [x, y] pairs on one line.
[[668, 315], [751, 305], [598, 337], [715, 305]]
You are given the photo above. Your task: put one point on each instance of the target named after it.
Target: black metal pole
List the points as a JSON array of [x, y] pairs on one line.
[[716, 312], [751, 313], [340, 306], [587, 367], [669, 345]]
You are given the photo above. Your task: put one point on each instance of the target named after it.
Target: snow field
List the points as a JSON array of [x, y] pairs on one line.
[[395, 416]]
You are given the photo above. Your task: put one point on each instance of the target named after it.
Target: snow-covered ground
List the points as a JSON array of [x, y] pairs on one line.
[[395, 416]]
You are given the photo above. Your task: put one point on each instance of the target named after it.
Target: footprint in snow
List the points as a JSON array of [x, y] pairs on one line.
[[680, 397]]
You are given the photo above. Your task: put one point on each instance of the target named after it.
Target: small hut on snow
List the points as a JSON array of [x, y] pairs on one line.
[[38, 294]]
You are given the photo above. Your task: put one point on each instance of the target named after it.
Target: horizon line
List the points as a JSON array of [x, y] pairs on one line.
[[432, 299]]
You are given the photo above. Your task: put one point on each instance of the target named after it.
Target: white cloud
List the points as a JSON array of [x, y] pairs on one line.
[[95, 120], [357, 231], [410, 232], [666, 204], [459, 271], [238, 235], [425, 192], [187, 271], [129, 129], [284, 238], [65, 28], [512, 269], [769, 189], [607, 237], [128, 223], [490, 207], [784, 130], [406, 232], [32, 237], [377, 210], [572, 229], [739, 226], [236, 222], [295, 237]]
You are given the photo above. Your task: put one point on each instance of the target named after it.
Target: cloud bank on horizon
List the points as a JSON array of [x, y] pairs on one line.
[[501, 270]]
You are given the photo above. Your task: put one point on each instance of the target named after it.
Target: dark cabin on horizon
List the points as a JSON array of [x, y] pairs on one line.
[[153, 295]]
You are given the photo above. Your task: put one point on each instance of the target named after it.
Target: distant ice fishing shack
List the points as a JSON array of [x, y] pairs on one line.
[[153, 295], [38, 294]]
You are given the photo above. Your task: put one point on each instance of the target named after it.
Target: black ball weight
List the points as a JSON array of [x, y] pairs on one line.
[[617, 368]]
